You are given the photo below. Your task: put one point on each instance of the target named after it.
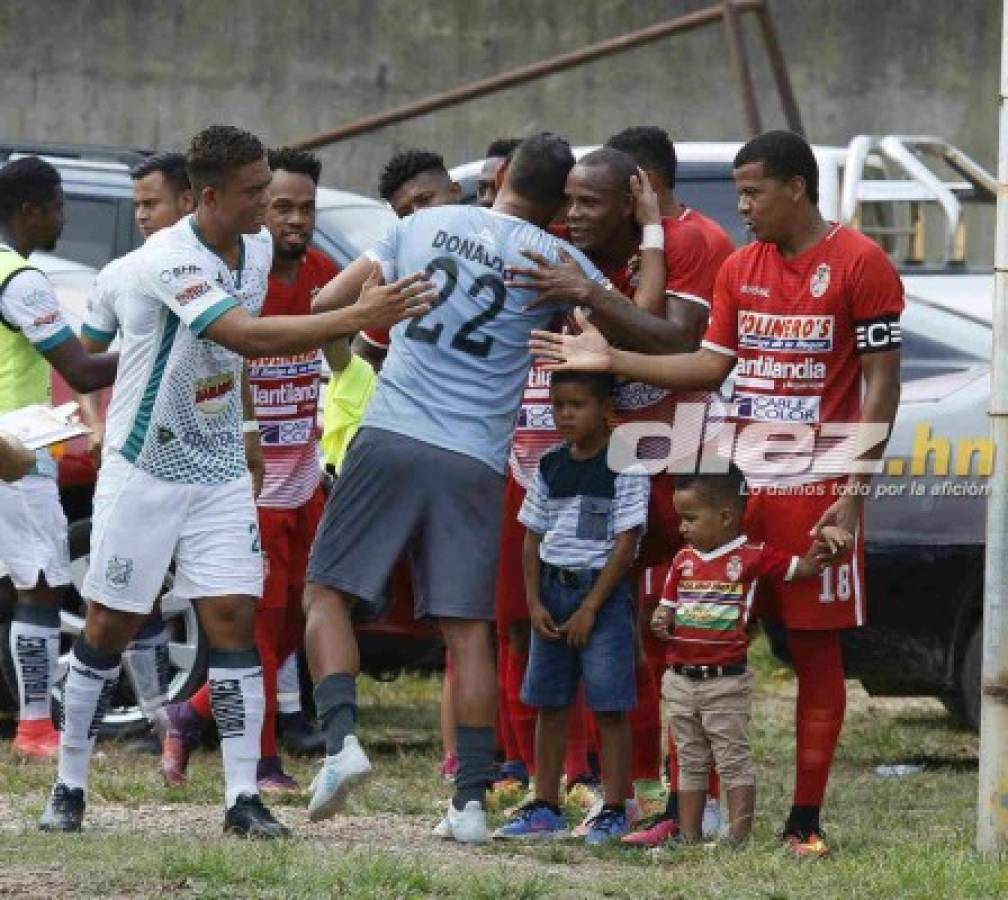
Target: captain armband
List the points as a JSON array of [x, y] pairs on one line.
[[877, 335]]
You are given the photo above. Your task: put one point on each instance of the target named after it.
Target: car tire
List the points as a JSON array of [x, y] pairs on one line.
[[963, 701], [188, 647]]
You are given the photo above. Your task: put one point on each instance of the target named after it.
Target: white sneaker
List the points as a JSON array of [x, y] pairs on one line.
[[710, 827], [467, 826], [337, 776]]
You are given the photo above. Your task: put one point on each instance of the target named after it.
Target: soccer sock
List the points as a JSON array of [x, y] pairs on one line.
[[522, 716], [336, 706], [645, 727], [475, 764], [146, 663], [236, 696], [34, 648], [91, 679], [289, 687], [576, 756], [820, 711]]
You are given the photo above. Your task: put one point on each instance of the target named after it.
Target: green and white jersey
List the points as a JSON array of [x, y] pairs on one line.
[[176, 405]]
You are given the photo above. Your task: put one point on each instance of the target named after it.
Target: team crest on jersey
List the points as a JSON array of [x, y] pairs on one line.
[[687, 569], [820, 280], [733, 568], [118, 572]]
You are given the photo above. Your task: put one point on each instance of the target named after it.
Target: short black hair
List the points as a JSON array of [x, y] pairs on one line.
[[217, 151], [619, 164], [26, 180], [405, 166], [716, 488], [650, 147], [172, 167], [502, 147], [298, 162], [599, 384], [785, 155], [539, 167]]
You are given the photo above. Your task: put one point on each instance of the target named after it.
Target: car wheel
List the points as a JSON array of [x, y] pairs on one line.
[[963, 701], [187, 644]]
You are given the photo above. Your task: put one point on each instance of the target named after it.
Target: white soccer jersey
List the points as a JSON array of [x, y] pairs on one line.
[[176, 405], [104, 306]]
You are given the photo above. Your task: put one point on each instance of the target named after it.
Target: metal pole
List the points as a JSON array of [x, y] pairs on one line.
[[778, 66], [527, 73], [992, 806], [740, 62]]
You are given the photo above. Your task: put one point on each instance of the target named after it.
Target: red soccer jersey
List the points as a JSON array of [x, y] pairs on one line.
[[377, 337], [285, 391], [721, 246], [712, 597], [798, 327]]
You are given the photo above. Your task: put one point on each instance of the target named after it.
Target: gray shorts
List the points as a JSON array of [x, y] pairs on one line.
[[396, 495]]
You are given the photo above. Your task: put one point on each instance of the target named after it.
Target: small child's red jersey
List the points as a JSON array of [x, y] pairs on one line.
[[712, 596], [799, 326]]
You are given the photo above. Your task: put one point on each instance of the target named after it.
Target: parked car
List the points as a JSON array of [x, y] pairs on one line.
[[925, 551]]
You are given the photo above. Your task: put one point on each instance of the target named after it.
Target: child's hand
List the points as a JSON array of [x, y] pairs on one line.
[[578, 627], [660, 621], [543, 622]]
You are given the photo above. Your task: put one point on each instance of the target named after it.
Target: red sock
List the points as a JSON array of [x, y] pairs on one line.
[[200, 702], [576, 758], [645, 726], [822, 699], [521, 715]]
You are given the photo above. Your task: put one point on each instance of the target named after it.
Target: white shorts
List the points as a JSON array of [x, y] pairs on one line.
[[141, 522], [33, 533]]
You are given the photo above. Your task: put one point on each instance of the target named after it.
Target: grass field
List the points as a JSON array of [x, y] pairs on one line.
[[891, 838]]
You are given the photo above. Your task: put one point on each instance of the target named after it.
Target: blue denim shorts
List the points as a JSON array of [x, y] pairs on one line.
[[605, 663]]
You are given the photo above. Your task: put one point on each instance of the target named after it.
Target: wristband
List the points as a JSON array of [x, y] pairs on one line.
[[250, 426], [652, 237]]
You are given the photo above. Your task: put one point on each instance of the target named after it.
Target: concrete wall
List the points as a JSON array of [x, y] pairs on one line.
[[153, 73]]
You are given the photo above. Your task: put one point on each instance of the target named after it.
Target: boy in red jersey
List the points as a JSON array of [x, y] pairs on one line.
[[810, 314], [705, 614]]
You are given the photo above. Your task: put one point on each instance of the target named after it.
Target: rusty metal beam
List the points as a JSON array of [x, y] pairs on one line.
[[740, 62], [524, 74], [778, 66]]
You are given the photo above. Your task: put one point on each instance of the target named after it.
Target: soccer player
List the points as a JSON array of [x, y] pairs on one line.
[[285, 393], [425, 473], [33, 528], [809, 314], [174, 481], [497, 154], [417, 179]]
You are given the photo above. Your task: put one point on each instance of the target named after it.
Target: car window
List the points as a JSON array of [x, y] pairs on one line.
[[715, 198], [359, 226], [937, 342], [89, 232]]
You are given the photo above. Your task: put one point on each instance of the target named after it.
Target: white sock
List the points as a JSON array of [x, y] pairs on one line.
[[144, 661], [239, 704], [289, 687], [34, 648], [90, 682]]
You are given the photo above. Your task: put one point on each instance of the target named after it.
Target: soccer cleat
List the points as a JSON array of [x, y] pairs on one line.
[[534, 821], [710, 826], [36, 738], [467, 826], [806, 845], [299, 736], [609, 825], [272, 779], [656, 832], [64, 810], [249, 818], [337, 776], [183, 732]]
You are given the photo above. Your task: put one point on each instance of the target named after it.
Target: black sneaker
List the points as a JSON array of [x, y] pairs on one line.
[[65, 809], [249, 818], [299, 736]]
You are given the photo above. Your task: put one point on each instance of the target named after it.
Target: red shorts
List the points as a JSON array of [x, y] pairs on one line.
[[834, 600], [662, 539], [510, 598], [287, 536]]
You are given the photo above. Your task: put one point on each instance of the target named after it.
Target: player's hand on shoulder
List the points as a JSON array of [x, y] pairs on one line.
[[588, 351], [561, 282], [383, 305]]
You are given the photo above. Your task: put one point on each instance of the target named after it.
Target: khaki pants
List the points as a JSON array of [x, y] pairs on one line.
[[710, 719]]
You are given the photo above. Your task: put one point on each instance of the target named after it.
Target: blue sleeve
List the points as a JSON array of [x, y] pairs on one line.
[[385, 253]]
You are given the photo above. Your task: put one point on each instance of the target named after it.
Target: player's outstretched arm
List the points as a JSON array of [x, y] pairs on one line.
[[84, 372], [590, 351], [378, 306], [345, 288]]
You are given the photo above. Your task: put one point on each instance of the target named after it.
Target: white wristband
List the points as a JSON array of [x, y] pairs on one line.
[[652, 237], [250, 426]]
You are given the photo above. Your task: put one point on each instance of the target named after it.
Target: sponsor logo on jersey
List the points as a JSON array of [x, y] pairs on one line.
[[286, 394], [634, 395], [819, 283], [294, 432], [807, 369], [168, 275], [536, 416], [709, 616], [193, 292], [733, 568], [773, 408], [212, 394], [118, 572], [755, 290], [785, 334], [48, 319]]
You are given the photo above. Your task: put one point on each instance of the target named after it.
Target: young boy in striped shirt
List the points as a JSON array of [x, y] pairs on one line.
[[583, 525], [705, 614]]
